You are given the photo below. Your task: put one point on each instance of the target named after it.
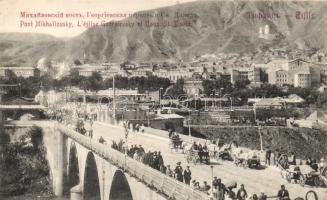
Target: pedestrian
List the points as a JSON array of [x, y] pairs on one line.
[[160, 160], [293, 159], [283, 193], [262, 195], [169, 172], [195, 146], [163, 169], [241, 193], [221, 189], [187, 175], [215, 182], [179, 172], [254, 197], [268, 156], [205, 188], [193, 184]]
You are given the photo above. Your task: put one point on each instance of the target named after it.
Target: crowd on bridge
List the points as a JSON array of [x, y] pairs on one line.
[[153, 159]]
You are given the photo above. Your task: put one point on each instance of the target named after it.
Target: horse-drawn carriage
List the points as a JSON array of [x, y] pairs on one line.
[[246, 159], [195, 156], [302, 174], [176, 142]]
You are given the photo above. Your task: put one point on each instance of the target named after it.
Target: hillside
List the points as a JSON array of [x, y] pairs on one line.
[[213, 27]]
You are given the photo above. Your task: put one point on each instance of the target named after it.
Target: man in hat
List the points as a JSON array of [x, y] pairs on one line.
[[221, 189], [215, 182], [241, 193], [283, 193], [179, 172], [187, 175], [268, 156]]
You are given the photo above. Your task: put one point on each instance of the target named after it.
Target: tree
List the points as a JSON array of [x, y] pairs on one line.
[[177, 89]]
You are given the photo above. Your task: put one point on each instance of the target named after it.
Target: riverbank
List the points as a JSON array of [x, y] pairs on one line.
[[24, 167]]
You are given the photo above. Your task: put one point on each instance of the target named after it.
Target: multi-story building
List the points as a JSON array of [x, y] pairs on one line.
[[302, 79], [247, 73], [278, 77], [174, 74], [19, 71], [193, 87], [298, 73]]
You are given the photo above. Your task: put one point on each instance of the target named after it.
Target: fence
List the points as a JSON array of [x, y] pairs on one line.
[[168, 186]]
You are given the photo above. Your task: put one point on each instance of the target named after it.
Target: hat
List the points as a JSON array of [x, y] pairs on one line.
[[178, 163]]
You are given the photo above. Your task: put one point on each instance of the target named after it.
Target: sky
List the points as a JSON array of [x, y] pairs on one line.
[[11, 20]]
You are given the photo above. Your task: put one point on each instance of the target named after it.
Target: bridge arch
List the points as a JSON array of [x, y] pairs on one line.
[[73, 167], [120, 189], [91, 187]]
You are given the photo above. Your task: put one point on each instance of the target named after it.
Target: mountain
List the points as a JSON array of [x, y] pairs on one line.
[[208, 27]]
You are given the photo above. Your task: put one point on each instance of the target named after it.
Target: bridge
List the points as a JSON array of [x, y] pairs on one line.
[[90, 170]]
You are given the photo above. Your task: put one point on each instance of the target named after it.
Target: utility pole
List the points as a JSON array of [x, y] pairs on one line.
[[260, 134], [114, 97]]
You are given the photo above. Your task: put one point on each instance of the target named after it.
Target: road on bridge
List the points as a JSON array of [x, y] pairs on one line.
[[268, 180]]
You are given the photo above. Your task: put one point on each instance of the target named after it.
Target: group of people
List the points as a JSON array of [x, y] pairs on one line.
[[203, 151], [221, 191], [153, 159], [179, 174]]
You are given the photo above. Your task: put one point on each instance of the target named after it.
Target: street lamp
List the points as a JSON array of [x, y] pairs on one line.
[[160, 93], [211, 180], [126, 141], [189, 124], [260, 134]]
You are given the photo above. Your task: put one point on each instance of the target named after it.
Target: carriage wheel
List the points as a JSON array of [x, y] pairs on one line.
[[302, 180], [311, 195]]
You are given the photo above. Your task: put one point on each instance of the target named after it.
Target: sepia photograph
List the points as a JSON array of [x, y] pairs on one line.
[[163, 100]]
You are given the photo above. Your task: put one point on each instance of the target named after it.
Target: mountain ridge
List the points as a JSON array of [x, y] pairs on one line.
[[215, 26]]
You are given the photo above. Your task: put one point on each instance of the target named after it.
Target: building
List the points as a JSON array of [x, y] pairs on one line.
[[298, 73], [87, 69], [247, 73], [270, 103], [193, 87], [302, 79], [174, 74], [19, 71]]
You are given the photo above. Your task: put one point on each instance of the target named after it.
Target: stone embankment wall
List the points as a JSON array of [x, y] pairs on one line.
[[304, 142]]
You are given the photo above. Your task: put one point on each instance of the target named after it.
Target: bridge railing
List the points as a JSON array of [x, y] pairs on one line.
[[153, 178]]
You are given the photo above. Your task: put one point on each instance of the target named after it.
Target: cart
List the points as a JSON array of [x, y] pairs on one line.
[[176, 143], [302, 174], [192, 156]]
